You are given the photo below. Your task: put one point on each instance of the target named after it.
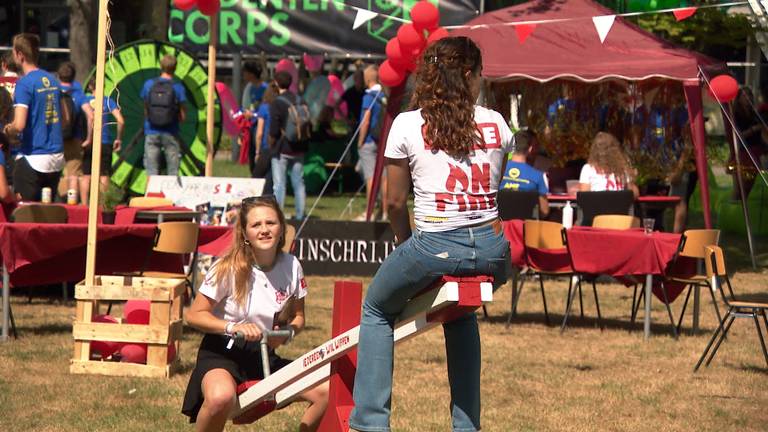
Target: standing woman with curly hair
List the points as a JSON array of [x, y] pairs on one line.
[[607, 168], [451, 151]]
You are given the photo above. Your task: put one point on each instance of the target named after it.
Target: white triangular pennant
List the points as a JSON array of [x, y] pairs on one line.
[[362, 17], [603, 25]]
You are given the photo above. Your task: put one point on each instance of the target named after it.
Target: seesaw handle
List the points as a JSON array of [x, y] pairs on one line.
[[240, 342]]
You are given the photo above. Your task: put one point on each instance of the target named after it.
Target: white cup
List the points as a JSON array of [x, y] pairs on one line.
[[46, 195], [72, 196], [648, 224]]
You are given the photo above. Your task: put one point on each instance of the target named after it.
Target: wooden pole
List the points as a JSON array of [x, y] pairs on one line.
[[93, 205], [213, 32]]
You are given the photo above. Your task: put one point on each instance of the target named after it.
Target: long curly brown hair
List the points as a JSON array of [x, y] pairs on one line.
[[607, 158], [443, 93], [239, 259]]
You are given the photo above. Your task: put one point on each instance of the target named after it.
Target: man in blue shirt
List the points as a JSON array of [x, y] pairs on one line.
[[74, 98], [164, 109], [367, 139], [37, 117], [520, 176]]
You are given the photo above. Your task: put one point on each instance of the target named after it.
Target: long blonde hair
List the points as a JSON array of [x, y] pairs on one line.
[[607, 158], [239, 260]]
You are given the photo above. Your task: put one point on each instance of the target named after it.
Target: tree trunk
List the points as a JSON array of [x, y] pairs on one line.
[[159, 21], [82, 35]]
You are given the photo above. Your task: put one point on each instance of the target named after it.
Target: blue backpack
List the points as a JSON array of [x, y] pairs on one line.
[[298, 126]]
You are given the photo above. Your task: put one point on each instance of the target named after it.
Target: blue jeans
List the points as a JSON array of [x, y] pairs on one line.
[[415, 264], [280, 166], [170, 146]]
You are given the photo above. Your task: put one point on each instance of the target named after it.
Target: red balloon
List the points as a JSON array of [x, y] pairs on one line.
[[724, 88], [436, 35], [425, 16], [134, 353], [184, 4], [410, 39], [104, 348], [396, 56], [209, 7], [389, 75], [136, 312]]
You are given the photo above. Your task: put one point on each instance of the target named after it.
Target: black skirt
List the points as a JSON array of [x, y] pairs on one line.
[[242, 364]]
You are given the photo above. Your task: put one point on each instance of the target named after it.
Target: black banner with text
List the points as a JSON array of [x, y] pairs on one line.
[[296, 27], [343, 248]]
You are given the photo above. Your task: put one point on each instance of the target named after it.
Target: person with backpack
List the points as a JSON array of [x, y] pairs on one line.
[[289, 131], [73, 108], [164, 110], [37, 117], [370, 129]]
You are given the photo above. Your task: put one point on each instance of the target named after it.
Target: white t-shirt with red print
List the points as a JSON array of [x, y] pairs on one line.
[[268, 294], [599, 181], [451, 193]]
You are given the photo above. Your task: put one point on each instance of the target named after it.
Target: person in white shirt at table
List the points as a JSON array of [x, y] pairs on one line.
[[608, 168]]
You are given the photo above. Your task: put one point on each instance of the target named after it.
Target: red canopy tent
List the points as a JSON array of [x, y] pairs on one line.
[[572, 49]]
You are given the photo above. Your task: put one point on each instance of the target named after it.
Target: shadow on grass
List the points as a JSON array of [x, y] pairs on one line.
[[45, 329]]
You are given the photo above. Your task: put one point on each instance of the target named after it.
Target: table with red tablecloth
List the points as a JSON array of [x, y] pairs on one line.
[[612, 252], [76, 214]]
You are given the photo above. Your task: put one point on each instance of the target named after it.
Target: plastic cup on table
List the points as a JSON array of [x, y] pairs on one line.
[[648, 224]]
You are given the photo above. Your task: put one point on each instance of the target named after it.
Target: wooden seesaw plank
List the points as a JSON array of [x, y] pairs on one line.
[[420, 314]]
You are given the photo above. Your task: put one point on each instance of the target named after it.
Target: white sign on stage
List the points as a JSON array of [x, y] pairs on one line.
[[193, 191]]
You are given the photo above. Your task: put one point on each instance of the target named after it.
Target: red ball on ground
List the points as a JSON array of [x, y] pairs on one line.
[[104, 348], [425, 16], [436, 35], [136, 311], [410, 39], [208, 7], [134, 353], [724, 88], [389, 75], [184, 4]]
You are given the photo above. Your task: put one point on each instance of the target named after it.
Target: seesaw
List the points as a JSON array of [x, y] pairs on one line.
[[447, 299]]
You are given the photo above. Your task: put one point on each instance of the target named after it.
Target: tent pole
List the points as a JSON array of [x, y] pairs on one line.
[[740, 181], [98, 124], [212, 35]]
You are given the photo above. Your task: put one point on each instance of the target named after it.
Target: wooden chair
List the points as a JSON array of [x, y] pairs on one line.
[[615, 221], [514, 204], [592, 204], [540, 235], [39, 213], [714, 262], [692, 245], [144, 202]]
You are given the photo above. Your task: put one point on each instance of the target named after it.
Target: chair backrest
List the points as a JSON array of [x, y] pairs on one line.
[[176, 237], [714, 261], [543, 234], [39, 213], [149, 202], [694, 241], [617, 222], [290, 234], [603, 202], [516, 204]]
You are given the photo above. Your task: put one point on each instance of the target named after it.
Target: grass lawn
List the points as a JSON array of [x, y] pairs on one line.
[[534, 378]]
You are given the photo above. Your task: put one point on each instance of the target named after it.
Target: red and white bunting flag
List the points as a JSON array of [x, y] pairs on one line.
[[362, 17], [523, 31], [603, 25], [683, 13]]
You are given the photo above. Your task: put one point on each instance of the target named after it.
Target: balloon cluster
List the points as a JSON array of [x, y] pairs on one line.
[[207, 7], [411, 40]]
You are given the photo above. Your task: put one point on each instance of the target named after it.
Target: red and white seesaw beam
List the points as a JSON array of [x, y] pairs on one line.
[[449, 298]]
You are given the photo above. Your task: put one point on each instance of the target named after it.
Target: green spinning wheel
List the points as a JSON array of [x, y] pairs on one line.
[[125, 74]]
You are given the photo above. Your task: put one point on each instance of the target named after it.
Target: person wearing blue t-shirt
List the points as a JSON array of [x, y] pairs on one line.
[[37, 117], [109, 143], [164, 112], [520, 176], [261, 164], [367, 142], [72, 134]]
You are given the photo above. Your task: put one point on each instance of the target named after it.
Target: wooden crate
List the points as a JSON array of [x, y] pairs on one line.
[[165, 325]]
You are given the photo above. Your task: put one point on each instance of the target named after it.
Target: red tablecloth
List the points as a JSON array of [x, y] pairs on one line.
[[218, 246], [38, 254], [77, 214], [127, 215], [641, 199], [550, 259]]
